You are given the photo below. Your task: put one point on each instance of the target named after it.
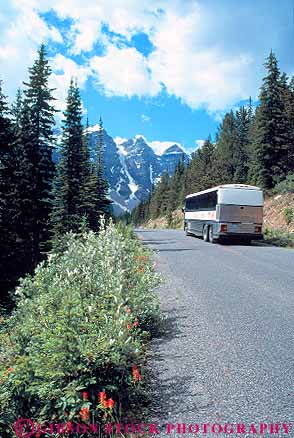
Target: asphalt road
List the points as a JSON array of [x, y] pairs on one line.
[[228, 355]]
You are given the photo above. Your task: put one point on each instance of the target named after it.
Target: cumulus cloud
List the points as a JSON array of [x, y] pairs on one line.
[[63, 70], [193, 57], [124, 72], [22, 32]]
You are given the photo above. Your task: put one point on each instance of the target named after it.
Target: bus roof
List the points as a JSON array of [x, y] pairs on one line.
[[225, 186]]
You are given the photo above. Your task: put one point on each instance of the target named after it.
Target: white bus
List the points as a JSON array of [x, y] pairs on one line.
[[225, 212]]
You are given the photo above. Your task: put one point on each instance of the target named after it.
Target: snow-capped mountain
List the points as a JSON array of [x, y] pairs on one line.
[[132, 167]]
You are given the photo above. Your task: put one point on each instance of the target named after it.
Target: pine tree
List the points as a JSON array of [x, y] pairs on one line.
[[7, 204], [288, 122], [88, 185], [39, 100], [70, 183], [103, 205], [226, 150], [241, 147], [269, 140]]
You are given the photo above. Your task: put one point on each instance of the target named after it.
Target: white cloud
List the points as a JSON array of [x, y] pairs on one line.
[[22, 32], [200, 76], [160, 146], [193, 59], [199, 143], [124, 72], [145, 118], [63, 70]]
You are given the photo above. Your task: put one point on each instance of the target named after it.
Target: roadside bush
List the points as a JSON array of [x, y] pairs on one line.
[[73, 350], [288, 214], [279, 238], [285, 186]]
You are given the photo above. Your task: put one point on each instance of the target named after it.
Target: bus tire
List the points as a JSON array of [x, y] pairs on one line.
[[210, 234], [205, 233]]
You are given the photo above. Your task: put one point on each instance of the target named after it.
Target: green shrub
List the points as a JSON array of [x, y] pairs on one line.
[[81, 324], [279, 238], [285, 186], [288, 214]]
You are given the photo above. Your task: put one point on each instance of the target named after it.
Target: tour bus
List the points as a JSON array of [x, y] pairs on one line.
[[225, 212]]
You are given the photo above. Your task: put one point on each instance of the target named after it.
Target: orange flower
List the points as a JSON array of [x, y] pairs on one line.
[[141, 270], [136, 373], [102, 396], [85, 414], [10, 370], [110, 403]]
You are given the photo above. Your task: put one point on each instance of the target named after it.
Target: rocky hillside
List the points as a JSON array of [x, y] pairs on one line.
[[275, 215]]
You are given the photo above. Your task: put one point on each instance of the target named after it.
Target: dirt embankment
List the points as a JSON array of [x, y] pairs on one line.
[[274, 212], [274, 215]]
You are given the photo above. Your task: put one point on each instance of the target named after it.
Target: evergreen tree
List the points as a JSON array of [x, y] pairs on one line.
[[7, 204], [103, 205], [241, 147], [88, 185], [73, 172], [39, 101], [288, 122], [269, 137], [226, 150]]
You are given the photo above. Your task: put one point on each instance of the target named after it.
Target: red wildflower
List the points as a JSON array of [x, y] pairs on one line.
[[85, 396], [102, 396], [110, 403], [129, 326], [85, 414], [136, 323], [136, 373], [10, 370]]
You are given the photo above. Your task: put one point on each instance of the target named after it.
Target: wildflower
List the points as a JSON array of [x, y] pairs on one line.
[[102, 396], [85, 414], [136, 373], [141, 270], [85, 396], [9, 370], [136, 323], [128, 310], [110, 403], [129, 326]]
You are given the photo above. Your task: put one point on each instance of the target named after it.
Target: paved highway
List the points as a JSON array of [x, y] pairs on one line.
[[228, 352]]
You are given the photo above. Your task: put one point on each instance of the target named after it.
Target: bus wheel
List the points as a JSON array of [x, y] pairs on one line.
[[210, 234], [205, 233]]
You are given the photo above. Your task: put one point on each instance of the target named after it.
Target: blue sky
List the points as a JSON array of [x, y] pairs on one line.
[[166, 69]]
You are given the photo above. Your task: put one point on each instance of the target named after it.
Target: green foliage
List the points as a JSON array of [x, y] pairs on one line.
[[285, 186], [279, 238], [80, 324], [288, 214], [39, 101], [71, 195]]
